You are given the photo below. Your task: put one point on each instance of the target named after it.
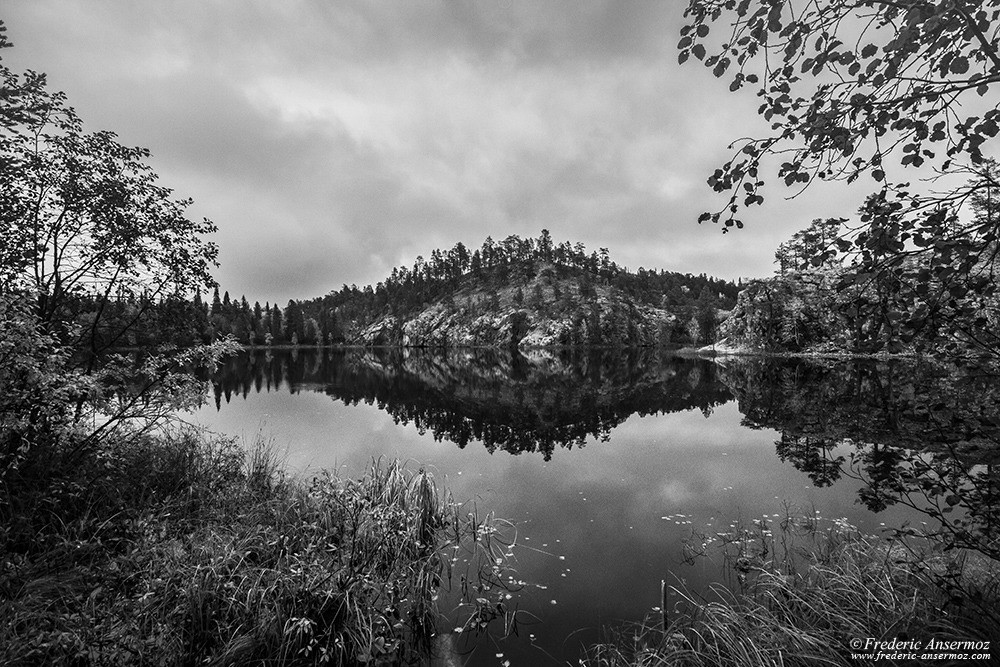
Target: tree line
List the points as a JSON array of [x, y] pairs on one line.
[[328, 320]]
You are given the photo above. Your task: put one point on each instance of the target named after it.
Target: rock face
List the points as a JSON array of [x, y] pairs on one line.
[[724, 348], [556, 312], [793, 313], [441, 326]]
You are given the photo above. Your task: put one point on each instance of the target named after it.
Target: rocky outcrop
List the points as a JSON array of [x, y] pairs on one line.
[[792, 313], [499, 320], [437, 326], [725, 348]]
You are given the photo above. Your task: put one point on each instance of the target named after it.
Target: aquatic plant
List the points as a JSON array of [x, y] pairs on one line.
[[801, 588]]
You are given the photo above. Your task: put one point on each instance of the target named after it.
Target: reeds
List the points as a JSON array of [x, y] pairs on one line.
[[193, 550], [800, 594]]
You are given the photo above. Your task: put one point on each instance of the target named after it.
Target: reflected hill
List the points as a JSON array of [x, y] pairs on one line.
[[502, 398]]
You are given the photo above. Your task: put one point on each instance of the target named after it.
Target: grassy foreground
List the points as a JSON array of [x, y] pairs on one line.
[[185, 549], [801, 593]]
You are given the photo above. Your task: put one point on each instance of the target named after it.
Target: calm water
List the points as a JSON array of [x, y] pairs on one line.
[[606, 463]]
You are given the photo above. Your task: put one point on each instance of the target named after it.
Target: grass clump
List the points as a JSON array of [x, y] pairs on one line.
[[799, 594], [187, 549]]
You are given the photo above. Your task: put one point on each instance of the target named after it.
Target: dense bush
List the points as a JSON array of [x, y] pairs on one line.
[[183, 549]]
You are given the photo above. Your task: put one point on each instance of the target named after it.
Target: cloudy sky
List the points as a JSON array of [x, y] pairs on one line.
[[332, 141]]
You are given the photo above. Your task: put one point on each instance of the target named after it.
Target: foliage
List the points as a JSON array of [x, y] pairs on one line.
[[193, 550], [936, 294], [881, 78], [84, 217], [39, 393], [89, 241], [929, 282], [874, 87], [57, 416]]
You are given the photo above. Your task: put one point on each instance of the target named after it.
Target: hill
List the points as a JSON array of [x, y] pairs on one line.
[[522, 293], [517, 292]]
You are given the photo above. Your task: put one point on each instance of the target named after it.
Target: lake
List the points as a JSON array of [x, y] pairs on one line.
[[606, 463]]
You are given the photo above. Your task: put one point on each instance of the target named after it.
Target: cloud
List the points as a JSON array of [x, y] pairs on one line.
[[332, 143]]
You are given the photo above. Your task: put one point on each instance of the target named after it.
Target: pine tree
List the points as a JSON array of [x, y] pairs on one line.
[[276, 329], [216, 302], [295, 324], [537, 297]]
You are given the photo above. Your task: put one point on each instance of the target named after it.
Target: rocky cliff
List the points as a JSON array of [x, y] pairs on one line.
[[541, 311]]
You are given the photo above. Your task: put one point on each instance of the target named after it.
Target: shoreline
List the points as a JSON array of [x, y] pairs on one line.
[[711, 352], [707, 352]]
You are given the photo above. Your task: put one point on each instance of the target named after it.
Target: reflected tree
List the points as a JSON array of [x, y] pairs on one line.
[[499, 398], [914, 433], [813, 456]]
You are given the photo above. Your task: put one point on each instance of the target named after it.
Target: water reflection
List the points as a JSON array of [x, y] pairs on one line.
[[916, 433], [908, 426], [502, 399], [708, 441], [912, 432]]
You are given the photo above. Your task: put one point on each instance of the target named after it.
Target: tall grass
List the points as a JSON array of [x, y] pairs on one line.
[[187, 549], [799, 594]]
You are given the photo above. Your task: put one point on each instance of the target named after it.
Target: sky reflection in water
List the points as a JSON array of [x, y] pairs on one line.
[[598, 526]]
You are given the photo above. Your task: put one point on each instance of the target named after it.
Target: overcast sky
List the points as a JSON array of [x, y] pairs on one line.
[[332, 141]]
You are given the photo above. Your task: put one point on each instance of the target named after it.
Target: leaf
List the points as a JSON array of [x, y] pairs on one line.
[[699, 51], [959, 65]]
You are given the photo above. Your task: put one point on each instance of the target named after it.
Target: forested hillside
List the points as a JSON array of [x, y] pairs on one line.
[[529, 291]]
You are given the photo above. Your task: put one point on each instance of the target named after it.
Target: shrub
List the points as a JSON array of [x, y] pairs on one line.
[[183, 549]]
